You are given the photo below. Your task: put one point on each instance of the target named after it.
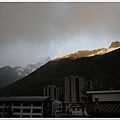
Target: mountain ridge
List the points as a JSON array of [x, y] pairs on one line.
[[52, 71], [9, 74], [100, 67], [89, 53]]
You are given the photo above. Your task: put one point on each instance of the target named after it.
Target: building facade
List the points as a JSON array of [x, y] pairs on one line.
[[52, 91], [73, 85], [104, 103], [76, 109], [26, 107]]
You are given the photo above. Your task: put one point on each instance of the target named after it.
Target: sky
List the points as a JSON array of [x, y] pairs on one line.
[[32, 31]]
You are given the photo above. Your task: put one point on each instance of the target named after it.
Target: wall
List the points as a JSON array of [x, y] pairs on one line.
[[107, 97]]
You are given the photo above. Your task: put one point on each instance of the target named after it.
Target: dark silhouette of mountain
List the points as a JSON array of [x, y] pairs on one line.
[[20, 72], [104, 68], [9, 74]]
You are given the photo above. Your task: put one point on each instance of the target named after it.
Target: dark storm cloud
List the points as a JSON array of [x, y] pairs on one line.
[[29, 31]]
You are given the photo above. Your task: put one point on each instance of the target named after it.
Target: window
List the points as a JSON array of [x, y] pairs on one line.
[[6, 110], [70, 87], [26, 110], [59, 109], [45, 91], [1, 103], [49, 91], [67, 110], [73, 109], [37, 103], [88, 85], [26, 103], [54, 90], [36, 110], [7, 103], [17, 103], [1, 109], [77, 89], [16, 110]]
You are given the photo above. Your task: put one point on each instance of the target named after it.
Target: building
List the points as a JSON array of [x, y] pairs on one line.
[[73, 85], [26, 106], [52, 91], [104, 103], [78, 109]]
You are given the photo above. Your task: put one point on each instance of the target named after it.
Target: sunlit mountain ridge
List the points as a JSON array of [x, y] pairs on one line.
[[89, 53], [103, 67]]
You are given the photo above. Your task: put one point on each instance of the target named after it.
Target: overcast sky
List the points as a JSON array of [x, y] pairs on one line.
[[32, 31]]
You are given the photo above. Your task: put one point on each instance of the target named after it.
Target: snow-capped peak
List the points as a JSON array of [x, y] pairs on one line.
[[24, 71]]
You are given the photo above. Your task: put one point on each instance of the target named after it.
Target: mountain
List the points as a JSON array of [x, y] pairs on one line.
[[104, 68], [24, 71], [115, 44], [89, 53], [9, 74]]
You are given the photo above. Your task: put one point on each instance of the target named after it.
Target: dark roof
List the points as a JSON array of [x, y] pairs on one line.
[[25, 98], [105, 108]]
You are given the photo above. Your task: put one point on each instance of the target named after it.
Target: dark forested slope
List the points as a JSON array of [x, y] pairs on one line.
[[101, 67]]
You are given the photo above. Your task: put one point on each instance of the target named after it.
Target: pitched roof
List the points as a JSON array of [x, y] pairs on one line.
[[105, 108]]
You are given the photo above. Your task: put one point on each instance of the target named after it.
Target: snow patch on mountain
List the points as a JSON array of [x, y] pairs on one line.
[[24, 71]]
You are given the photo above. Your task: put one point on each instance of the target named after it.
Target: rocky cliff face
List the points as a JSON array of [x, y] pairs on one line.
[[115, 44]]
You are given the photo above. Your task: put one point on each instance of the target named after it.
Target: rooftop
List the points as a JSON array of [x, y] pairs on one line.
[[103, 91], [25, 98], [105, 109]]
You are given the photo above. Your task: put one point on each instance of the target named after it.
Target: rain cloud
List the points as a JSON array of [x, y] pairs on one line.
[[30, 31]]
